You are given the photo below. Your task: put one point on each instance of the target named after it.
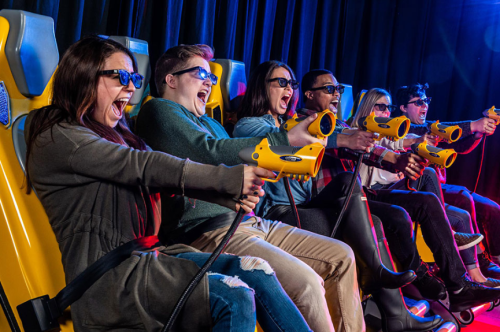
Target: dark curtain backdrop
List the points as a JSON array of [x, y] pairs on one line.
[[452, 45]]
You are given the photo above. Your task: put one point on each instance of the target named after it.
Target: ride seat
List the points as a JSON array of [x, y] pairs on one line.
[[31, 260], [346, 103]]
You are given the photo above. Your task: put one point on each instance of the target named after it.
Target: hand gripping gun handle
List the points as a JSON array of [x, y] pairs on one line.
[[392, 128], [299, 163]]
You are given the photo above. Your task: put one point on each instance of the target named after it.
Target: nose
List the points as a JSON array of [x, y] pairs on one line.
[[130, 86], [208, 82]]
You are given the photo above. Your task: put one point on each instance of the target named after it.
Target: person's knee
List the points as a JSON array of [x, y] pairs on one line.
[[339, 258], [464, 200], [250, 263], [400, 219], [231, 297], [234, 288], [460, 220], [429, 171], [428, 199], [343, 180]]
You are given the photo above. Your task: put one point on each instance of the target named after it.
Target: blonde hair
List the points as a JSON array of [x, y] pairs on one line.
[[366, 106]]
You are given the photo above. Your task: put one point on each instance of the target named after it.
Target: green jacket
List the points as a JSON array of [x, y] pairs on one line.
[[169, 127]]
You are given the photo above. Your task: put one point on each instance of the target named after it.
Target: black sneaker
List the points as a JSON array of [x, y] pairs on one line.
[[492, 283], [472, 295], [488, 268], [466, 240], [430, 286]]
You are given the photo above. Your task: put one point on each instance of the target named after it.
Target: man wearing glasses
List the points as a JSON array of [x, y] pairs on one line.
[[394, 208], [413, 102], [176, 124]]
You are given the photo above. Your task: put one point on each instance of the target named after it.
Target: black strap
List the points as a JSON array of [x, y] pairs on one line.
[[76, 288]]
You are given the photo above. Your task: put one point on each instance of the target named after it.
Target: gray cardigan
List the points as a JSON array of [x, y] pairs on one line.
[[99, 195]]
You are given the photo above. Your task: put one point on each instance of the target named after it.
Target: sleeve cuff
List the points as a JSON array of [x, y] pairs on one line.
[[332, 141]]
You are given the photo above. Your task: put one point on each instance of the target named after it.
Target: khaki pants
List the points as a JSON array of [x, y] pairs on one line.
[[318, 273]]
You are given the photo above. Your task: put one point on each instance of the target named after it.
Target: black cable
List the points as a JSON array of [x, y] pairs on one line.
[[292, 201], [349, 194], [197, 278], [481, 163]]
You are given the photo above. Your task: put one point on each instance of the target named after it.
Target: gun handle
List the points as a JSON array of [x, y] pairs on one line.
[[297, 177], [272, 180]]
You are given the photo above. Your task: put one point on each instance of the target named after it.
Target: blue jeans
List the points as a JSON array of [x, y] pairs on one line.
[[460, 221], [275, 310], [232, 306], [484, 212]]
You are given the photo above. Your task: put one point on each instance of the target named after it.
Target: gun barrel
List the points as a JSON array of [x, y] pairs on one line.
[[441, 157], [392, 128], [449, 133], [322, 127]]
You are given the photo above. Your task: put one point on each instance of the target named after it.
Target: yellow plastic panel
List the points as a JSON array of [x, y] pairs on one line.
[[30, 260], [215, 105], [423, 249]]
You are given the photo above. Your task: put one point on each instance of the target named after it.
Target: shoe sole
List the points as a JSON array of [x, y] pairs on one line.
[[471, 244], [464, 307]]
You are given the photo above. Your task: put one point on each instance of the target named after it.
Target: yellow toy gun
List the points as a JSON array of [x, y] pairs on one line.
[[299, 163], [449, 133], [493, 113], [392, 128], [443, 158], [322, 127]]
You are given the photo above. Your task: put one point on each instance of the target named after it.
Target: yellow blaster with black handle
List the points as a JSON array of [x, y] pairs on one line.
[[448, 133], [322, 127], [299, 163], [443, 158], [392, 128], [493, 113]]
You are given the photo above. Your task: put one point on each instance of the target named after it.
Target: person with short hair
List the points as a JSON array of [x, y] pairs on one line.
[[413, 102], [317, 272]]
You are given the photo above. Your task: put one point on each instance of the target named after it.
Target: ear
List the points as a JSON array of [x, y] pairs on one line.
[[309, 94], [171, 81], [402, 108]]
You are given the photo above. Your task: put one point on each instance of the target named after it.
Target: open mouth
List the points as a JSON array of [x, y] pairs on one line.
[[118, 106], [422, 115], [333, 106], [203, 96], [284, 101]]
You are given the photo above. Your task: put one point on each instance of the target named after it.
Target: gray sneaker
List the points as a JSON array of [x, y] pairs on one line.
[[466, 240], [492, 283]]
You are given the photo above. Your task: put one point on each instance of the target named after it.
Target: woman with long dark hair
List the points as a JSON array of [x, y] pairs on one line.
[[100, 186], [269, 99]]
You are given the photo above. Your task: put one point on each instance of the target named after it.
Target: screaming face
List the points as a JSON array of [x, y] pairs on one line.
[[416, 114], [189, 89], [279, 97], [112, 97], [320, 99]]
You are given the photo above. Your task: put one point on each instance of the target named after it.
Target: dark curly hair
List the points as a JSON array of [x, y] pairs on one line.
[[405, 93]]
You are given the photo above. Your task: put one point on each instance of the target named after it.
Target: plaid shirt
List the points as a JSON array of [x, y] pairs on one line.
[[341, 160]]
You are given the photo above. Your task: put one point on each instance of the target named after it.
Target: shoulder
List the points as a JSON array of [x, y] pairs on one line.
[[162, 108], [266, 119], [255, 126]]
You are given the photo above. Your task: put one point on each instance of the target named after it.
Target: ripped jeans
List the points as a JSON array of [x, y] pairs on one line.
[[233, 283], [317, 272]]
